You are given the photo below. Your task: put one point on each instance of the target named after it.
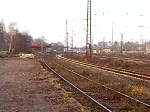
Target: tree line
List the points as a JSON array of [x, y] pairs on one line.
[[14, 41]]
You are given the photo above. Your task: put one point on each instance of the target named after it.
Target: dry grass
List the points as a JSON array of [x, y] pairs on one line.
[[141, 92], [118, 63], [91, 87]]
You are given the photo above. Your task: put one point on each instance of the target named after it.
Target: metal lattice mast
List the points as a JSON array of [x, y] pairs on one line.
[[121, 42], [89, 35], [66, 36], [112, 46], [72, 40]]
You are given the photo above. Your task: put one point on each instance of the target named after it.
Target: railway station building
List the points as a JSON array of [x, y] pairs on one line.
[[39, 48]]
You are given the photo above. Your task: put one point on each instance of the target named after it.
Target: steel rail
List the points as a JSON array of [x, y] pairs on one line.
[[84, 93], [127, 59], [112, 70], [122, 94], [114, 57]]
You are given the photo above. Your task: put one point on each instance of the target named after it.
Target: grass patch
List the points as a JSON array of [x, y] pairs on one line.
[[140, 91], [91, 87], [112, 84]]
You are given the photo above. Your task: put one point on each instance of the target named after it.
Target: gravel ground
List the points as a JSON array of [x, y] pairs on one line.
[[26, 87]]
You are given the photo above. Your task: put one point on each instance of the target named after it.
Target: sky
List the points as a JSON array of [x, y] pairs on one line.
[[48, 18]]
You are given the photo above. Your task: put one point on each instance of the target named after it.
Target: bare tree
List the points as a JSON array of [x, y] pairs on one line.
[[23, 43], [39, 41], [10, 38], [2, 35]]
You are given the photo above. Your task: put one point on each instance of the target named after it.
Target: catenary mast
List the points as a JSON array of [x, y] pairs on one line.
[[89, 34]]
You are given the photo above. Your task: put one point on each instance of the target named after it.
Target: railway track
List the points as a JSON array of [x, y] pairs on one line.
[[104, 108], [112, 70], [127, 59], [116, 58], [106, 98]]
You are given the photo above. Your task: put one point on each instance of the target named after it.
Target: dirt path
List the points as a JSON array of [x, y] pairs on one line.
[[26, 87]]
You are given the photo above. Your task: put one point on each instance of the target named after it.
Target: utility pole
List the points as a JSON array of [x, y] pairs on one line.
[[67, 35], [89, 33], [142, 45], [145, 46], [112, 38], [72, 41], [42, 44], [121, 43]]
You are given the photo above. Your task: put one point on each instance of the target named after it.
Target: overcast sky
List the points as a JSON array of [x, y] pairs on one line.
[[47, 18]]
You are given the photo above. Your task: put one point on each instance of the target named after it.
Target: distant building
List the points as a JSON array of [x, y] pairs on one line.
[[48, 48], [36, 48], [96, 51], [106, 50]]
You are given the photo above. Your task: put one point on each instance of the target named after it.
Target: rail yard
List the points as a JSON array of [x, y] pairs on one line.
[[124, 88], [91, 86], [75, 56]]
